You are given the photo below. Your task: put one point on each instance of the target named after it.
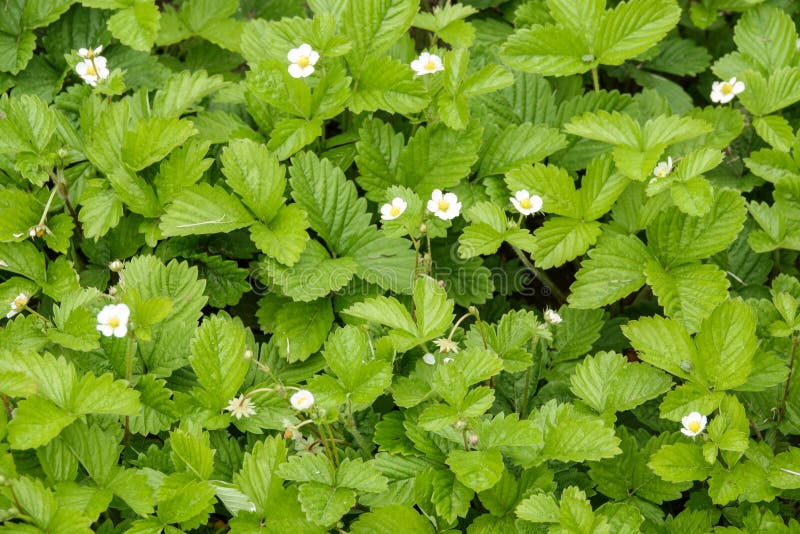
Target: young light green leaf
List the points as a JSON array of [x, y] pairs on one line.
[[478, 470]]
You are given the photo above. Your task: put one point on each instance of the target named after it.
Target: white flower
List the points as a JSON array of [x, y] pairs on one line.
[[444, 205], [723, 92], [427, 64], [92, 70], [446, 346], [302, 61], [89, 53], [303, 400], [429, 358], [240, 407], [693, 424], [115, 266], [551, 316], [525, 203], [394, 209], [17, 305], [663, 168], [113, 320]]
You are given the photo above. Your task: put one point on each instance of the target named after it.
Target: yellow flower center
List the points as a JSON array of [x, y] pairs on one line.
[[303, 62], [90, 69], [395, 211], [113, 322], [430, 65], [694, 426], [727, 88], [525, 203], [20, 302], [444, 205]]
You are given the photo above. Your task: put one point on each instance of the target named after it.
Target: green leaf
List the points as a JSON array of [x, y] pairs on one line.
[[570, 436], [204, 209], [776, 131], [379, 149], [633, 27], [687, 292], [285, 237], [627, 475], [664, 343], [290, 135], [362, 377], [562, 239], [553, 184], [726, 345], [102, 395], [438, 157], [767, 95], [519, 145], [323, 504], [676, 237], [151, 140], [226, 282], [158, 410], [256, 176], [314, 275], [385, 83], [784, 470], [361, 476], [100, 212], [217, 357], [766, 36], [256, 477], [334, 209], [191, 452], [373, 26], [137, 25], [549, 50], [681, 462], [680, 57], [450, 497], [577, 332], [609, 384], [581, 16], [183, 90], [185, 501], [384, 520], [478, 470], [37, 421], [539, 508], [613, 270], [300, 328]]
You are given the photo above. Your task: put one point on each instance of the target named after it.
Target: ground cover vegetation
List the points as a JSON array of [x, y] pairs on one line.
[[380, 266]]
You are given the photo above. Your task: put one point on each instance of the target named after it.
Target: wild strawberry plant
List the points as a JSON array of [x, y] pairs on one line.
[[379, 266]]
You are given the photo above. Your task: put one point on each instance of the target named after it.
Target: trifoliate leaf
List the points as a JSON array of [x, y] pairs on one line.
[[687, 292], [570, 436], [373, 26], [664, 343], [562, 239], [256, 176], [633, 27], [300, 328], [323, 504], [767, 37], [314, 275], [608, 383], [285, 237], [385, 83]]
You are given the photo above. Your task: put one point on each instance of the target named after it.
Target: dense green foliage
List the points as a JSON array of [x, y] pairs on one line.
[[371, 266]]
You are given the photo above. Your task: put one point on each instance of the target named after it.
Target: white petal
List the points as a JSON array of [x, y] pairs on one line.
[[688, 432], [433, 206], [100, 62], [517, 206], [121, 331], [313, 57], [105, 330], [105, 314], [424, 58], [305, 49], [308, 70], [81, 68], [738, 87], [295, 71], [98, 50], [11, 314], [450, 198], [536, 203], [429, 358], [83, 52], [294, 55], [522, 195]]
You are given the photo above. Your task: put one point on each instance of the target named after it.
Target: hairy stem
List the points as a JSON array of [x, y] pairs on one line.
[[541, 276]]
